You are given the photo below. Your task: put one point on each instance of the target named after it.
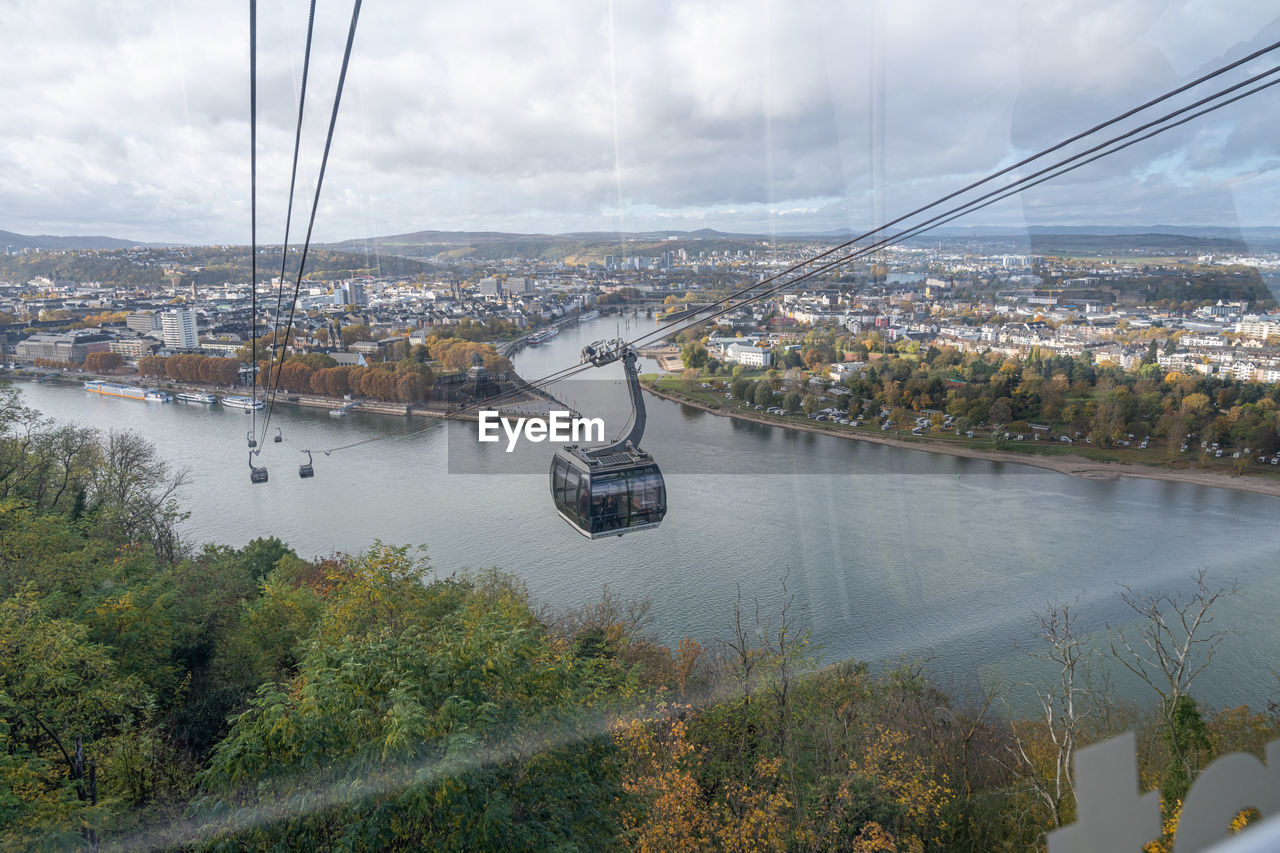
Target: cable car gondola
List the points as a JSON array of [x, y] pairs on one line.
[[305, 470], [253, 442], [256, 474], [279, 436], [615, 488]]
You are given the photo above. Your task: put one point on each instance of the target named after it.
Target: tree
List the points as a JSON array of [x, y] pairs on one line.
[[810, 404], [296, 377], [813, 359], [103, 362], [660, 773], [133, 494], [58, 689], [1196, 405], [791, 401], [456, 354], [1173, 643], [411, 388], [694, 355], [355, 332], [1050, 772], [225, 370], [764, 394], [151, 365], [314, 360], [431, 711]]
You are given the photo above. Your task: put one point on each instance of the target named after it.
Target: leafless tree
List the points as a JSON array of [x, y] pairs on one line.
[[61, 458], [1065, 707], [783, 646], [742, 652], [134, 493], [19, 428], [960, 728], [622, 621], [1173, 642]]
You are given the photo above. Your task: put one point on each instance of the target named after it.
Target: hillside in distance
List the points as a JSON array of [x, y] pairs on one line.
[[1097, 240], [10, 240], [434, 246], [199, 265], [580, 247]]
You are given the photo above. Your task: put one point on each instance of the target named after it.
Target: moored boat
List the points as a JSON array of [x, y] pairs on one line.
[[130, 392], [542, 337], [246, 403], [196, 397]]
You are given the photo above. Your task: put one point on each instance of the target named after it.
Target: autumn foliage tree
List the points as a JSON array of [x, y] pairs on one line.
[[195, 369], [456, 354], [103, 362]]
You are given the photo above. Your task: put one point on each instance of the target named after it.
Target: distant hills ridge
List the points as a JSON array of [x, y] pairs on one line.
[[50, 241], [1218, 237], [595, 245], [1207, 231], [1266, 232]]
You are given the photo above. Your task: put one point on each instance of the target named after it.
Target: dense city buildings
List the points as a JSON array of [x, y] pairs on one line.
[[1210, 313]]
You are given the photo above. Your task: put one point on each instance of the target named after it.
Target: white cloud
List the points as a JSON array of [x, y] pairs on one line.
[[130, 119]]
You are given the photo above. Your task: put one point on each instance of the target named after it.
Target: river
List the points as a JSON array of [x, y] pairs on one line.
[[887, 552]]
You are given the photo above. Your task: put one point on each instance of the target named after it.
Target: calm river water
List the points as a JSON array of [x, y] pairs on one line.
[[887, 552]]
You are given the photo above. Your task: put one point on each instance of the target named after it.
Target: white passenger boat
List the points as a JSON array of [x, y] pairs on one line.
[[131, 392], [246, 403]]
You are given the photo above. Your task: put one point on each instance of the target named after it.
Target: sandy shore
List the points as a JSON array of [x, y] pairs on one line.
[[1075, 466]]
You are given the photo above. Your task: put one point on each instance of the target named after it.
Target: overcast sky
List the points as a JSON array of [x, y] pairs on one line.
[[130, 119]]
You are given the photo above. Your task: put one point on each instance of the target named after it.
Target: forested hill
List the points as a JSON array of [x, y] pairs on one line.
[[1149, 243], [201, 266], [10, 240], [159, 696], [573, 247]]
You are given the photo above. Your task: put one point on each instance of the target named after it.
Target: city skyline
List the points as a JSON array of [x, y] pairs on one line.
[[675, 116]]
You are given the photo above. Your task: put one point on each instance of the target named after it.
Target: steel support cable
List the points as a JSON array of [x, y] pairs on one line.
[[1060, 168], [977, 203], [293, 177], [1099, 151], [253, 208], [1025, 161], [1118, 148], [1041, 176], [667, 332], [315, 204], [506, 396]]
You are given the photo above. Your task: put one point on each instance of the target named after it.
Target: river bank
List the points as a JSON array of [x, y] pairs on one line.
[[1069, 464], [364, 406]]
